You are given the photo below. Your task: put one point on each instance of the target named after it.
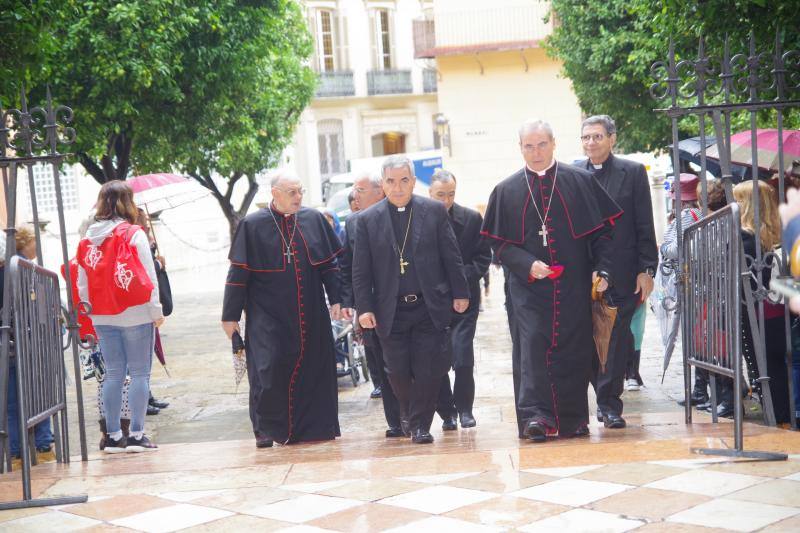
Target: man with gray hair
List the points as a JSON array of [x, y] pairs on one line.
[[549, 224], [283, 263], [408, 280], [635, 261], [367, 191], [476, 256]]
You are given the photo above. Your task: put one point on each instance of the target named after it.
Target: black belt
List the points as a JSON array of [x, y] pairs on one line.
[[410, 298]]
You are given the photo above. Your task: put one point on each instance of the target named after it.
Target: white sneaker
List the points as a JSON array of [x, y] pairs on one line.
[[632, 385]]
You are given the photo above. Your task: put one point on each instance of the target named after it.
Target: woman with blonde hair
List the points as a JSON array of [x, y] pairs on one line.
[[769, 233]]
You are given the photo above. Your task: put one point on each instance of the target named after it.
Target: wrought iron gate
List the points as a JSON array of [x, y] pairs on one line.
[[710, 91]]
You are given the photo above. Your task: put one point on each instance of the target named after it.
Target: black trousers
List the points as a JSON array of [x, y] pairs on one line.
[[462, 396], [608, 385], [391, 408], [416, 359]]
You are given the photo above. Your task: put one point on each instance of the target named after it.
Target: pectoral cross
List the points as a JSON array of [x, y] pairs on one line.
[[403, 265], [289, 254], [544, 233]]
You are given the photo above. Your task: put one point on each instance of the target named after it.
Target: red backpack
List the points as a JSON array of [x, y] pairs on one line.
[[117, 278]]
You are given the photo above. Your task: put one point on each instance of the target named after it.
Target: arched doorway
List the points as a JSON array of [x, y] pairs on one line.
[[388, 143]]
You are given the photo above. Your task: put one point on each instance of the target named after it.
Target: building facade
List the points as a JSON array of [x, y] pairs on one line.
[[492, 75], [374, 97]]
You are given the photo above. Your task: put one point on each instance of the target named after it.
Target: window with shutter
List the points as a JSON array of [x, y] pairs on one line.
[[326, 51], [330, 134], [383, 39]]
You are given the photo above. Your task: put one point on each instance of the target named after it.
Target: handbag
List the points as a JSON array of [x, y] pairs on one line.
[[164, 290]]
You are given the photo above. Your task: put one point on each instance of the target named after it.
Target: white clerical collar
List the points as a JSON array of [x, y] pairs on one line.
[[603, 164], [543, 172], [597, 167]]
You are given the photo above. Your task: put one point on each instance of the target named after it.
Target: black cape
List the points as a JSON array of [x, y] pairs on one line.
[[288, 339], [551, 318]]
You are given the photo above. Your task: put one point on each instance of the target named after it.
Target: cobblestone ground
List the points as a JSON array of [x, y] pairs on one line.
[[205, 406]]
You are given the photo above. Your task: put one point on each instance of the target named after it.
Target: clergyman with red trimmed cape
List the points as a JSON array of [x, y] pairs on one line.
[[283, 263], [550, 225]]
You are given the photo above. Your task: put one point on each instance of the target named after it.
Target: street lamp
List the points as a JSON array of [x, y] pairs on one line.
[[443, 131]]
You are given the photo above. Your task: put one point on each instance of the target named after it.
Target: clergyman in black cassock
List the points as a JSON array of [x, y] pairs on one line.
[[476, 256], [408, 279], [367, 191], [549, 225], [282, 265], [635, 259]]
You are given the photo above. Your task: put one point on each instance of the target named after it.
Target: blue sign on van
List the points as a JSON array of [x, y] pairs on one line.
[[424, 168]]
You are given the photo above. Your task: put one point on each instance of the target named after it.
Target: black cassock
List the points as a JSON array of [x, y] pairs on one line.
[[291, 364], [552, 322]]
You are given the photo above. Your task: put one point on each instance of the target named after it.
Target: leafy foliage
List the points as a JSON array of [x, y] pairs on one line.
[[608, 47]]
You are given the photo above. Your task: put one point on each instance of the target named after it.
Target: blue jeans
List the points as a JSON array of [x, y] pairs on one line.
[[128, 348], [43, 434]]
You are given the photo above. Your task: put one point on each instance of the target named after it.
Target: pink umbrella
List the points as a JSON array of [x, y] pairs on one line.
[[157, 192], [767, 148]]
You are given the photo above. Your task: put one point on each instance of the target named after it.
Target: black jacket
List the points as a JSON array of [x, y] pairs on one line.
[[634, 248], [346, 260], [376, 270], [475, 251]]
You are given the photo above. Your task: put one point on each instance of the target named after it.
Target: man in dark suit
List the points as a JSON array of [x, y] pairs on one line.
[[367, 191], [408, 279], [634, 253], [476, 256]]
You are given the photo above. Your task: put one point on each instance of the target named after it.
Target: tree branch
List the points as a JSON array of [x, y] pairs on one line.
[[252, 189], [92, 167]]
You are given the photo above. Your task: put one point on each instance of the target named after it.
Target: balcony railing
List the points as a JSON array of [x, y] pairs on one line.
[[483, 29], [389, 82], [429, 80], [337, 83]]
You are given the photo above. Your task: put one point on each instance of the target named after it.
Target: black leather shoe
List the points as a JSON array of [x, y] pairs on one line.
[[467, 420], [613, 421], [422, 437], [582, 431], [376, 393], [152, 410], [394, 433], [157, 403], [536, 431], [449, 424], [263, 442], [695, 399], [599, 415], [704, 407]]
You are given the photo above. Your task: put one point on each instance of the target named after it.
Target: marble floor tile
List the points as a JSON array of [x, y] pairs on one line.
[[691, 463], [506, 512], [304, 508], [706, 482], [189, 495], [367, 518], [574, 492], [652, 504], [117, 507], [565, 471], [438, 499], [759, 468], [583, 520], [501, 481], [373, 490], [630, 473], [439, 478], [793, 477], [790, 525], [45, 522], [242, 500], [777, 492], [441, 524], [734, 515], [313, 488], [239, 522], [171, 518], [13, 514], [672, 527]]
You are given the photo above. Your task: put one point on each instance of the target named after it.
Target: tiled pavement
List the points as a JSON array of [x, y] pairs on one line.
[[484, 479]]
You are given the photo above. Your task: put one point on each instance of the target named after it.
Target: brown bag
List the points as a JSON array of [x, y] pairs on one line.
[[603, 318]]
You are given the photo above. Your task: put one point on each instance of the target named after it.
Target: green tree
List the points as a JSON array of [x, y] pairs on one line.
[[244, 85], [608, 46]]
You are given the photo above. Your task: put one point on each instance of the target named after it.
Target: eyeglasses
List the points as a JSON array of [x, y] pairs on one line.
[[293, 193], [596, 137]]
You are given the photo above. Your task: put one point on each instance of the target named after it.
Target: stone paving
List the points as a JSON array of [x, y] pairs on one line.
[[208, 475]]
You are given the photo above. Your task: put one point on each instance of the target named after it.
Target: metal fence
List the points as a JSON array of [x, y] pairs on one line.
[[29, 137], [389, 82], [709, 92], [335, 84]]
